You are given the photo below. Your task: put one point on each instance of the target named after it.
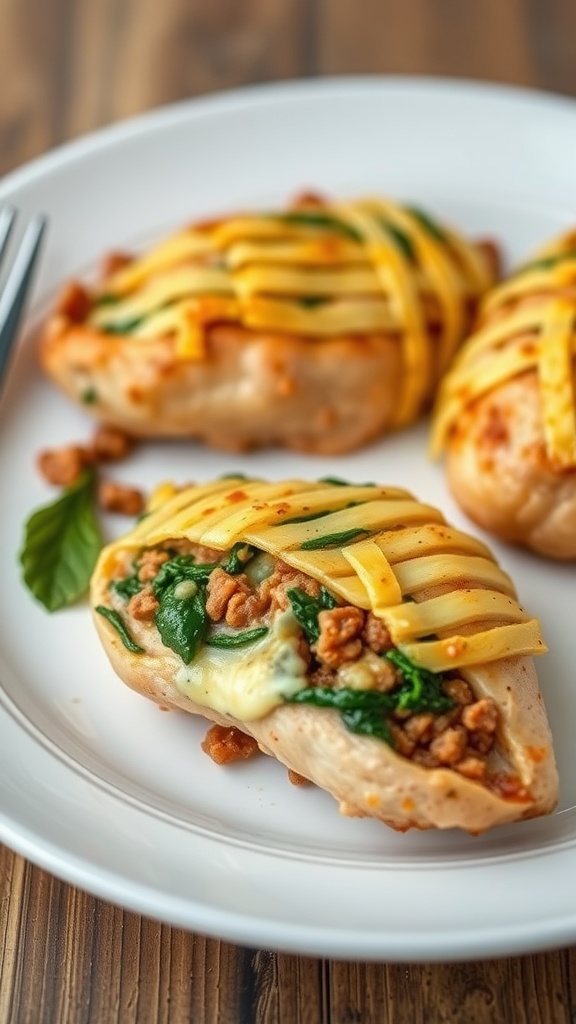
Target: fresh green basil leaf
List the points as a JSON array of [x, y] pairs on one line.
[[61, 544], [116, 620], [182, 621], [230, 641]]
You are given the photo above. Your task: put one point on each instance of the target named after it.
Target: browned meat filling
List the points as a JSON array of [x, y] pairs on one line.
[[347, 652], [226, 744]]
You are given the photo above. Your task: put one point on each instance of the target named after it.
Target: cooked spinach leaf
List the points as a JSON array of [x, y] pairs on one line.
[[319, 219], [115, 620], [421, 690], [305, 519], [106, 299], [367, 711], [313, 301], [337, 481], [179, 568], [122, 326], [547, 262], [230, 641], [182, 621], [362, 711], [318, 515], [427, 223], [331, 540], [238, 558], [402, 240], [127, 587], [306, 610]]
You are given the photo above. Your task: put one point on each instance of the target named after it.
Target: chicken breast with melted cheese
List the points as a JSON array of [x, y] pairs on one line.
[[355, 635], [319, 327], [506, 411]]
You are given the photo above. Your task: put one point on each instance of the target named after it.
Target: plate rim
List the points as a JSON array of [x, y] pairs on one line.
[[319, 941], [270, 92]]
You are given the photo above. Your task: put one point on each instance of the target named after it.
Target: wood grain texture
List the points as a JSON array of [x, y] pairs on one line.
[[66, 68]]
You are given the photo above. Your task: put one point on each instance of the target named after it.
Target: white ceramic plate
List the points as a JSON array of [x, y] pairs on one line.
[[97, 785]]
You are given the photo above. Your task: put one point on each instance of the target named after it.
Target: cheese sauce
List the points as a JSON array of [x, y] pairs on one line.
[[248, 682]]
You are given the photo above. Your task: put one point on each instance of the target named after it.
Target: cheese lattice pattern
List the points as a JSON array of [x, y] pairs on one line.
[[527, 324], [350, 268], [441, 594]]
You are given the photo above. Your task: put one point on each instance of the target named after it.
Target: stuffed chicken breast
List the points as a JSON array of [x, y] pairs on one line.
[[318, 327], [355, 635], [506, 412]]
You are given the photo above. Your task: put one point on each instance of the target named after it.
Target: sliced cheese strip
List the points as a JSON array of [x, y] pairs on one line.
[[187, 244], [375, 559], [415, 575], [505, 641], [294, 504], [370, 517], [526, 324], [166, 288], [395, 275], [375, 572], [300, 252], [409, 620], [556, 382], [267, 278], [356, 268]]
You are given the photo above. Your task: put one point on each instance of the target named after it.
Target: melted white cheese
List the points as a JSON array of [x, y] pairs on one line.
[[250, 681]]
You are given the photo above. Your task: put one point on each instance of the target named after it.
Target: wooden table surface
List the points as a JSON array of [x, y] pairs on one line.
[[66, 68]]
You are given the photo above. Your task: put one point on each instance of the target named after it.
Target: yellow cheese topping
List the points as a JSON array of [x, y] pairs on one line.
[[322, 271], [525, 324], [443, 597], [248, 682]]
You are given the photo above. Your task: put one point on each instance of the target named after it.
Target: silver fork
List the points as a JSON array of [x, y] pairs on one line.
[[17, 285]]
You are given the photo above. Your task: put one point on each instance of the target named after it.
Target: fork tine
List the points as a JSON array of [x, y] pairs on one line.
[[7, 217], [17, 285]]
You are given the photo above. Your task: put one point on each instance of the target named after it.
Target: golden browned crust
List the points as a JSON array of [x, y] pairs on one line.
[[506, 410], [500, 473], [318, 327], [251, 389], [365, 775]]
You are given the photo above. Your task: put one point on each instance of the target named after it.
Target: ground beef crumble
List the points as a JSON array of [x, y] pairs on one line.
[[226, 744], [347, 653]]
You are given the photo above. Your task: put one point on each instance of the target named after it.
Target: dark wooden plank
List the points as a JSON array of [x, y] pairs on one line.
[[524, 42], [67, 68], [75, 67], [70, 958], [521, 990]]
